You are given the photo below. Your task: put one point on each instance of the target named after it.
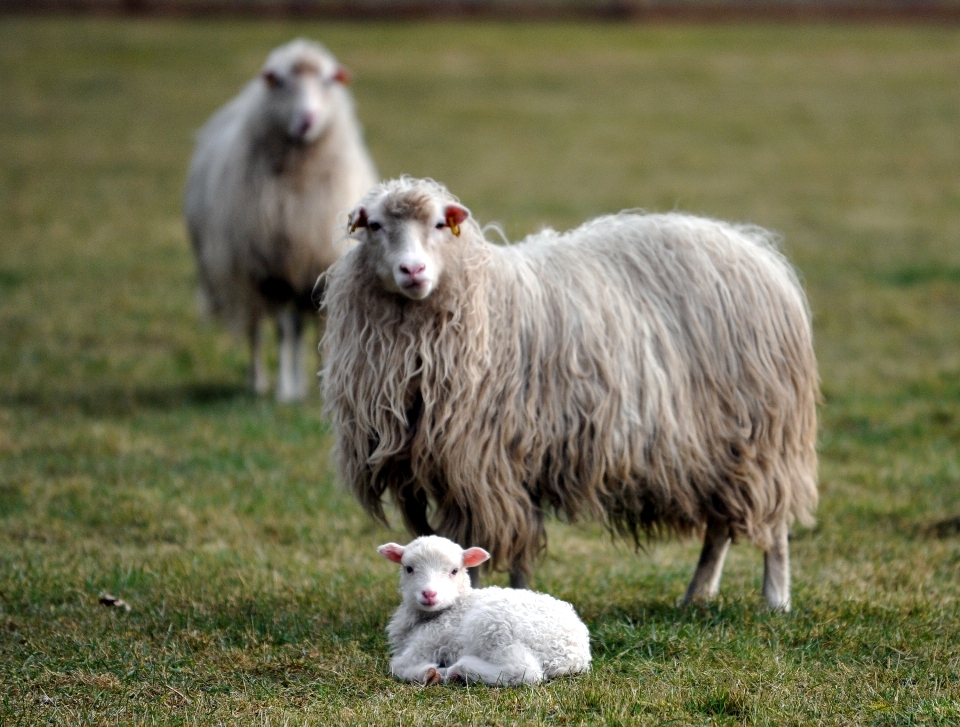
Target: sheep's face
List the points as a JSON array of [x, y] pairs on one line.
[[300, 90], [433, 571], [407, 237]]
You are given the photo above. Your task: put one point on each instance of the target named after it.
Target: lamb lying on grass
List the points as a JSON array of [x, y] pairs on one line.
[[446, 631]]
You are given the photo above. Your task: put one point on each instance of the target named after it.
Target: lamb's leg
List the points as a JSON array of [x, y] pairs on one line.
[[518, 666], [420, 672], [290, 329], [776, 570], [706, 579], [257, 377]]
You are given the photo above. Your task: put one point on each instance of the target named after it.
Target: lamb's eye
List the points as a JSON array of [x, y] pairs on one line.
[[409, 569], [454, 571], [440, 225], [374, 226]]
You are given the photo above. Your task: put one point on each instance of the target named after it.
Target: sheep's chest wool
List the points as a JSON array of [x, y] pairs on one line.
[[655, 371]]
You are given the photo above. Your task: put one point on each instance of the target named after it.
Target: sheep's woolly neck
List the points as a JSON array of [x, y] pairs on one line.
[[654, 370]]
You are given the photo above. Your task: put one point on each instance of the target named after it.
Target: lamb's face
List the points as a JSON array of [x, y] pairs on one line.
[[409, 238], [433, 571], [300, 85]]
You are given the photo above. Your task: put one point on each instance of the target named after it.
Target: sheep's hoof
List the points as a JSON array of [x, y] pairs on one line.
[[431, 677], [455, 679]]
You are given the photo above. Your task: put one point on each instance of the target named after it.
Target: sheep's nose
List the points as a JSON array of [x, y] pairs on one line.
[[429, 595], [412, 269], [305, 123]]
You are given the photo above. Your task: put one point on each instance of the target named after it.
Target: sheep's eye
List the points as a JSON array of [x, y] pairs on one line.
[[454, 571], [374, 226], [409, 569], [440, 225], [273, 79]]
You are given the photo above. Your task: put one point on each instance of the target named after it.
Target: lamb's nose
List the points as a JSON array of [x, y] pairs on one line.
[[412, 269], [429, 595]]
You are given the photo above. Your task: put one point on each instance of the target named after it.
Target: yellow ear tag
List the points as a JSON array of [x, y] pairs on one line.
[[454, 227]]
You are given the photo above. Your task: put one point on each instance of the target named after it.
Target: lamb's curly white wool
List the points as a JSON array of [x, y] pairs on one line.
[[445, 630]]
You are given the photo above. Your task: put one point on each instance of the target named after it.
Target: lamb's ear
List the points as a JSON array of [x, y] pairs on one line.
[[474, 556], [342, 76], [391, 551], [454, 214], [357, 218]]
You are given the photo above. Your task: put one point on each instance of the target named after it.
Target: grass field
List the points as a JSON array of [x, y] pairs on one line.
[[132, 462]]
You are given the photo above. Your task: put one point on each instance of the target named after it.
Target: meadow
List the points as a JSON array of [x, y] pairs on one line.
[[133, 462]]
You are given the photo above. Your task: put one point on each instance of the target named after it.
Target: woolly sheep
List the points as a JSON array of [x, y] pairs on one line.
[[444, 630], [654, 370], [270, 173]]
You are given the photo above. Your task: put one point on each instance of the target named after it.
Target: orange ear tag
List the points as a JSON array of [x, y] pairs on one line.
[[454, 227]]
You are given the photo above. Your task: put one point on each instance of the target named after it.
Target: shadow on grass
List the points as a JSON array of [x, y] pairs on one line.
[[126, 400]]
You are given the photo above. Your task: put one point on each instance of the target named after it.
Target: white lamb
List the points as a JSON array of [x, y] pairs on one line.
[[447, 631]]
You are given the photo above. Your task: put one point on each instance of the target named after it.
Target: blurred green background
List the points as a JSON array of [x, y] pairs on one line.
[[133, 462]]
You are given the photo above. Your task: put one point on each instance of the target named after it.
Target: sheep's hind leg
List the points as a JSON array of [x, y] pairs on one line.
[[776, 570], [290, 384], [706, 579], [257, 377]]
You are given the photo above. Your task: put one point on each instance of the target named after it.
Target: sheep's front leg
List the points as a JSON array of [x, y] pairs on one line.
[[257, 377], [776, 570], [290, 383], [518, 578], [706, 579]]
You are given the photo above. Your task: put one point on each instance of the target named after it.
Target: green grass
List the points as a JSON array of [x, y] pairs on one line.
[[132, 462]]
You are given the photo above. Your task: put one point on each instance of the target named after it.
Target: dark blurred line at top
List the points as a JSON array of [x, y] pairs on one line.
[[932, 11]]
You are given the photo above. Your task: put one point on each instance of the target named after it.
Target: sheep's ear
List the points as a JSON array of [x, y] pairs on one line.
[[454, 214], [391, 551], [272, 78], [342, 75], [474, 556], [358, 218]]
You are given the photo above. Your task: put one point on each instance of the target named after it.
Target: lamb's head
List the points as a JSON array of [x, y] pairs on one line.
[[433, 573], [407, 228], [300, 79]]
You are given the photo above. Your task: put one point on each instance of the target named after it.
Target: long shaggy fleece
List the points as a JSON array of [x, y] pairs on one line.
[[654, 370]]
